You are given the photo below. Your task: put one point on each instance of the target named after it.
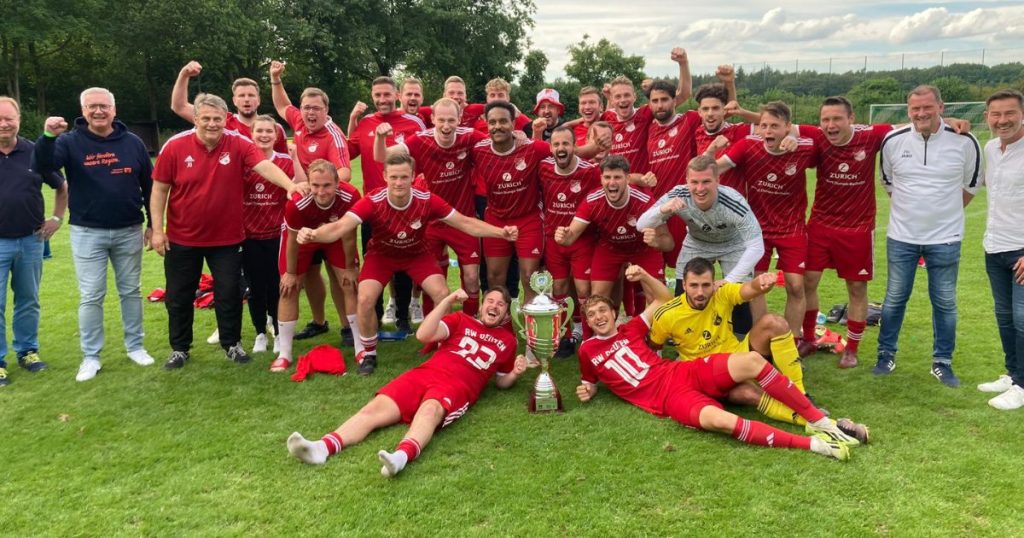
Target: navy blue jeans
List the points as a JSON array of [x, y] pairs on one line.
[[1009, 306]]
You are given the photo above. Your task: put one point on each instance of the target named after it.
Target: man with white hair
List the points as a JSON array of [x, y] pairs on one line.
[[109, 179]]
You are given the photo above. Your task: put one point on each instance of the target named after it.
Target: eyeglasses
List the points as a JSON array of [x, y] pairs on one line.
[[98, 106], [309, 108]]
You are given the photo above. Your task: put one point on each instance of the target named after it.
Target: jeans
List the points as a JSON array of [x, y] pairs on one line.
[[21, 268], [91, 248], [1009, 307], [943, 262], [182, 267]]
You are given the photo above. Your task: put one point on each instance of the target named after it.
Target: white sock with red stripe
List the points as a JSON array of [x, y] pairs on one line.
[[369, 344], [353, 324], [406, 451], [285, 336]]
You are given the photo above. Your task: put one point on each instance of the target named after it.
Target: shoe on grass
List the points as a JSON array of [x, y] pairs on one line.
[[280, 364], [214, 338], [403, 325], [312, 329], [346, 337], [806, 348], [566, 348], [415, 311], [848, 360], [4, 380], [259, 344], [884, 366], [1000, 385], [30, 361], [367, 362], [1012, 399], [88, 369], [944, 373], [828, 428], [237, 354], [176, 360], [858, 431], [826, 446], [389, 312], [141, 357]]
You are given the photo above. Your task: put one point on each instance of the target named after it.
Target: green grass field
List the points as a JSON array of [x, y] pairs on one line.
[[201, 451]]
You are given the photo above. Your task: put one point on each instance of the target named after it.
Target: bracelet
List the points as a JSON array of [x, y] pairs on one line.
[[272, 83], [57, 219]]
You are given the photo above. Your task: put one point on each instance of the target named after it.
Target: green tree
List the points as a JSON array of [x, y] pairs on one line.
[[953, 89], [594, 64], [532, 79], [876, 91]]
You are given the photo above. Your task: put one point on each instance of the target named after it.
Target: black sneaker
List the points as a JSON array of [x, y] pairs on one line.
[[367, 363], [346, 337], [566, 348], [944, 373], [30, 361], [403, 326], [237, 354], [177, 360], [312, 329]]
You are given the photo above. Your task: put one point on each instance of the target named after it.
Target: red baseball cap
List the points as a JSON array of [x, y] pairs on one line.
[[549, 95]]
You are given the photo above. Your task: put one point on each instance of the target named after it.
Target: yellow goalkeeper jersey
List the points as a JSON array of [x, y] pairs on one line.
[[699, 333]]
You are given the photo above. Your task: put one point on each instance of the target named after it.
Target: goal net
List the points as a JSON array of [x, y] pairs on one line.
[[896, 113]]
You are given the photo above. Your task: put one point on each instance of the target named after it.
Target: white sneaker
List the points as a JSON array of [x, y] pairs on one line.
[[1002, 384], [277, 345], [270, 328], [393, 463], [140, 357], [260, 344], [88, 370], [214, 338], [415, 311], [1012, 399], [389, 313]]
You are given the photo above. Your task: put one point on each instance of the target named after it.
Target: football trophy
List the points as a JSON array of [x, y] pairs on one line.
[[541, 323]]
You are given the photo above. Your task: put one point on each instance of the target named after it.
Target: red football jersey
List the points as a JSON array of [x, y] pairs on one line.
[[471, 114], [581, 130], [403, 126], [263, 205], [473, 352], [669, 151], [510, 180], [563, 193], [447, 171], [327, 143], [615, 226], [776, 184], [400, 231], [304, 212], [844, 197], [734, 132], [629, 137], [280, 145], [628, 366], [521, 121], [207, 187]]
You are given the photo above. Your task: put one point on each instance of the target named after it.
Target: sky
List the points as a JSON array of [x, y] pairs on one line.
[[786, 34]]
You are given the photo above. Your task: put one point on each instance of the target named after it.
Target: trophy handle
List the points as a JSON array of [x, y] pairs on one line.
[[569, 310], [516, 320]]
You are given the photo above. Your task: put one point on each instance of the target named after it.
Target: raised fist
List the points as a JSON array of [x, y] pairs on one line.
[[678, 55], [673, 205], [634, 273], [725, 73], [276, 70], [384, 130], [459, 295], [650, 238], [55, 125], [192, 69], [720, 143], [648, 179], [358, 110]]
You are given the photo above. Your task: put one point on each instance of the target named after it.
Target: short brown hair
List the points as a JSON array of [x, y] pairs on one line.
[[588, 90], [411, 80], [505, 295], [925, 89], [454, 78], [595, 300], [266, 118], [839, 100], [703, 162], [314, 92], [384, 80], [499, 85], [323, 165], [1006, 94], [399, 158], [244, 82], [621, 80], [615, 162], [698, 266], [712, 91], [778, 109]]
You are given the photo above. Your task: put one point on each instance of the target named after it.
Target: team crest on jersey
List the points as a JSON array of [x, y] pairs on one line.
[[461, 155], [189, 161], [506, 177], [791, 170], [772, 177], [575, 187], [860, 155], [630, 127], [416, 224], [449, 165], [661, 143], [401, 234], [843, 167], [260, 187], [225, 158], [561, 197], [718, 320], [621, 230], [520, 165], [674, 131], [618, 137], [400, 139], [312, 147]]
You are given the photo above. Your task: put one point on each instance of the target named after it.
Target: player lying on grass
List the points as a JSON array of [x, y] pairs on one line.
[[689, 392], [437, 392]]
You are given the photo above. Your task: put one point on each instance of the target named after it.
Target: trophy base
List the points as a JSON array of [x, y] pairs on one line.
[[545, 403]]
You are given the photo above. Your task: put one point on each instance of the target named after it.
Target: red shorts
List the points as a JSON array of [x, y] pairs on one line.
[[695, 385], [334, 253], [607, 264], [420, 384], [466, 247], [381, 267], [676, 227], [572, 261], [851, 254], [531, 237], [792, 254]]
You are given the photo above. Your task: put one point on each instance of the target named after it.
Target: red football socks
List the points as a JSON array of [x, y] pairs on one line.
[[810, 321], [410, 447], [759, 433], [333, 442], [854, 332], [782, 389]]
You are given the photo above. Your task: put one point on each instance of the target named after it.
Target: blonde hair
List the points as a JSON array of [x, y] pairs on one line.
[[499, 85], [13, 103]]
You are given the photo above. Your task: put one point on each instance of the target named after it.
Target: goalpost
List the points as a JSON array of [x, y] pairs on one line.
[[896, 113]]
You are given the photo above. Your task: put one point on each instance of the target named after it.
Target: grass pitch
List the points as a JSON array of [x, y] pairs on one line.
[[201, 451]]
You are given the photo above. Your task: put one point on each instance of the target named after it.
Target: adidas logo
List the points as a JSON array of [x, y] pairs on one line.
[[535, 251], [474, 255], [801, 265], [863, 272], [689, 330], [906, 154], [770, 438]]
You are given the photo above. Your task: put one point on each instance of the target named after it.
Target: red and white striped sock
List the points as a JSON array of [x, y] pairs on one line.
[[854, 332], [333, 442], [758, 433]]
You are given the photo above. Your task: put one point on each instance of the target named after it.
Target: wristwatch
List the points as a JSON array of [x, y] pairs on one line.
[[56, 219]]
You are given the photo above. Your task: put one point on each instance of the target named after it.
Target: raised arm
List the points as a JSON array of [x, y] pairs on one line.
[[280, 97], [567, 235], [380, 142], [760, 285], [431, 329], [685, 87], [179, 93], [727, 76], [653, 287], [661, 211], [44, 155]]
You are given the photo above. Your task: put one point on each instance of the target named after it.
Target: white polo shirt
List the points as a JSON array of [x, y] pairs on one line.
[[926, 178], [1004, 179]]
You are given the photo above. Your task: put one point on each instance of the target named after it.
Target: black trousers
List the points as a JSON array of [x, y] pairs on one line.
[[401, 282], [182, 268], [259, 262]]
